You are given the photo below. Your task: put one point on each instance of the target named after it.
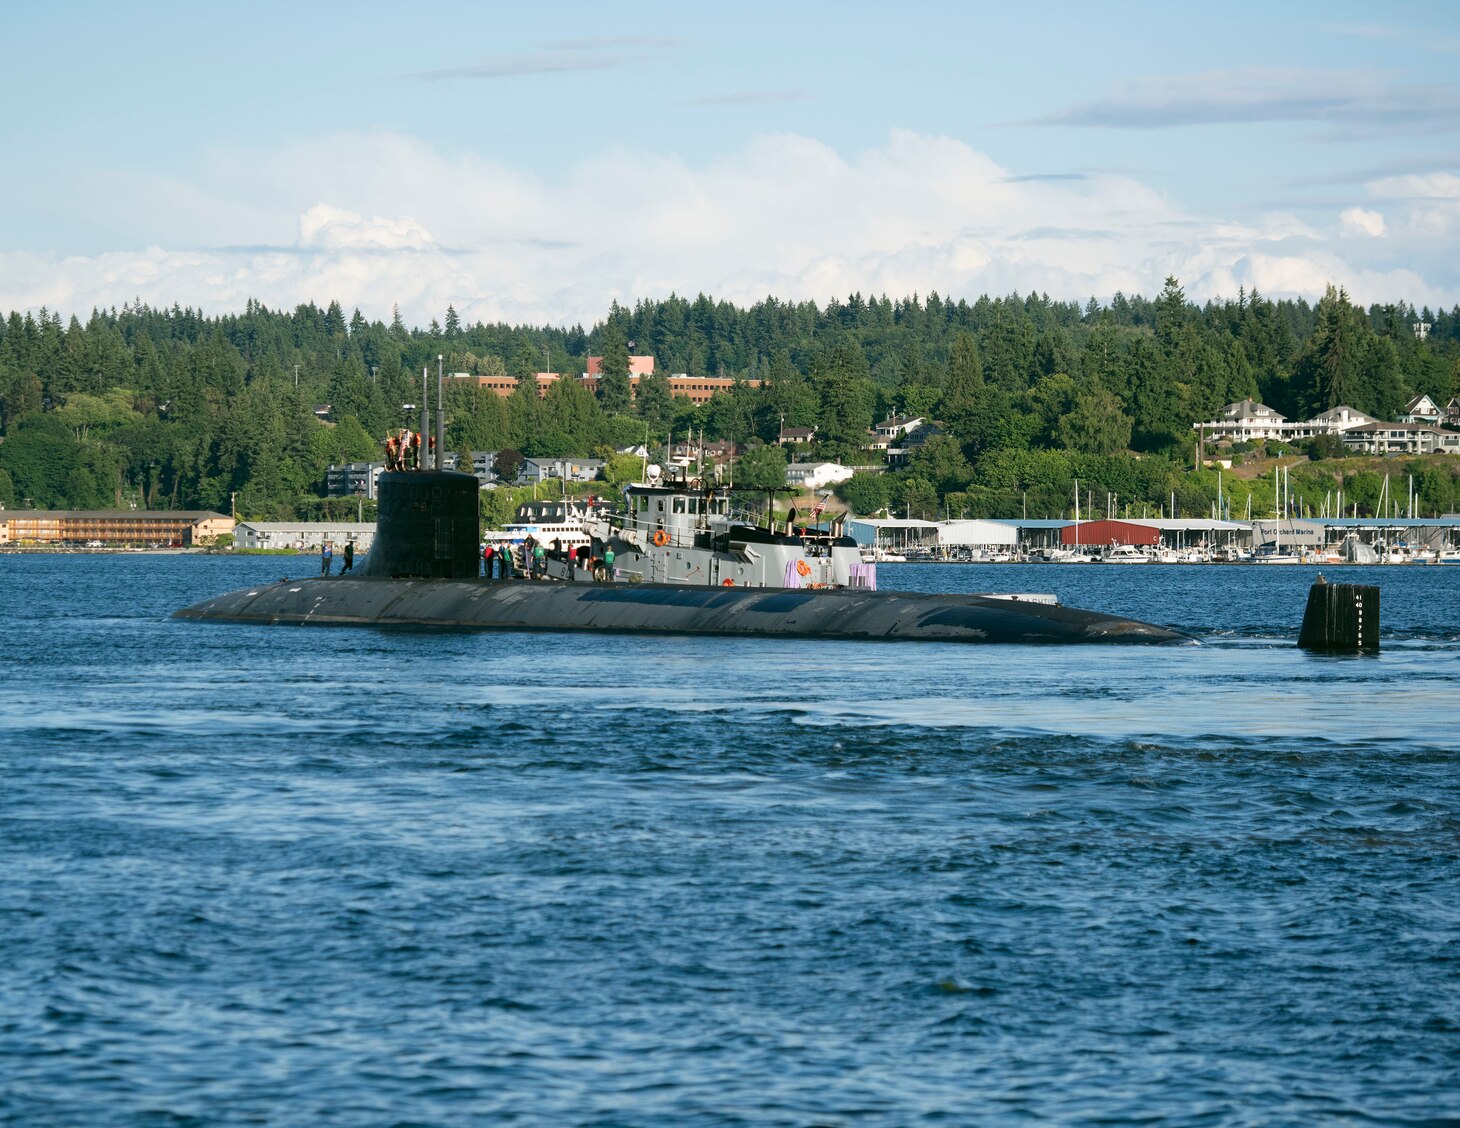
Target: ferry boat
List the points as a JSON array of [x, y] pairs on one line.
[[557, 524]]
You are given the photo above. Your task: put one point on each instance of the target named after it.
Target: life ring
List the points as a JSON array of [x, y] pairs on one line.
[[696, 484], [727, 583], [803, 568], [661, 538]]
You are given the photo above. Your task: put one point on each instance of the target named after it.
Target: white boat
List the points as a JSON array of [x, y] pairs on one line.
[[1353, 550], [1273, 553], [1058, 556], [558, 524], [1124, 554]]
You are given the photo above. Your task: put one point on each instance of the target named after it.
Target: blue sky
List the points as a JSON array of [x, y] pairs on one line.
[[534, 162]]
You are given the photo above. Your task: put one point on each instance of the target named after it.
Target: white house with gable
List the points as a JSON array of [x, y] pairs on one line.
[[817, 475], [1421, 409]]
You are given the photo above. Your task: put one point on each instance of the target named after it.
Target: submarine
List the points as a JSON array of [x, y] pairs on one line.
[[423, 572]]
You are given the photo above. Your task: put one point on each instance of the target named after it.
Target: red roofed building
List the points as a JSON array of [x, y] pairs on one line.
[[1109, 532]]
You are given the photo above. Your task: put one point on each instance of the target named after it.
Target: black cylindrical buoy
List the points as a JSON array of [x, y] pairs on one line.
[[427, 526], [1341, 617]]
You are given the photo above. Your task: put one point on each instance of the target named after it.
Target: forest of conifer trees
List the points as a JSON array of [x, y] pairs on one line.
[[170, 408]]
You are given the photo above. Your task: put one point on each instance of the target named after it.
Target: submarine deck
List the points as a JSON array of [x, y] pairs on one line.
[[525, 605]]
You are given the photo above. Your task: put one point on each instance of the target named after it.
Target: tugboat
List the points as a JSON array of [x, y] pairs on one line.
[[682, 531]]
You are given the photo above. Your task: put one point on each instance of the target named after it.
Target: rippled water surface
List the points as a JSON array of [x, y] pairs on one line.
[[357, 877]]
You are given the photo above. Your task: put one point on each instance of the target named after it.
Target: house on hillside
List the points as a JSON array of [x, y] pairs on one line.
[[1421, 409], [896, 426], [709, 454], [1401, 438], [1246, 421], [1337, 420], [536, 470], [899, 453], [816, 475], [876, 443], [790, 436]]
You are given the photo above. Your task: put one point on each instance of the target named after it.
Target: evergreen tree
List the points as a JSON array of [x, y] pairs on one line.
[[1327, 373], [655, 404], [614, 390], [963, 384], [761, 467]]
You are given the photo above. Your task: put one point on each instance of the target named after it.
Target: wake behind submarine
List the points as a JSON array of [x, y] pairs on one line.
[[422, 571]]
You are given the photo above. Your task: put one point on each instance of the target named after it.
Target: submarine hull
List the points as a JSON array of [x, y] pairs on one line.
[[524, 605]]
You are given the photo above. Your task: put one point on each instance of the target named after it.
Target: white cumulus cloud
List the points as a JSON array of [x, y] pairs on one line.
[[1361, 221], [380, 219], [334, 229]]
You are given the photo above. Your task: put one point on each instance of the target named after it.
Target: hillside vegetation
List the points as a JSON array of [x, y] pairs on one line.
[[173, 408]]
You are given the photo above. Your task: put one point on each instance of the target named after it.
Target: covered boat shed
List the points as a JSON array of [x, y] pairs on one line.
[[900, 534], [970, 533], [1035, 532], [1183, 533], [892, 532], [1108, 532]]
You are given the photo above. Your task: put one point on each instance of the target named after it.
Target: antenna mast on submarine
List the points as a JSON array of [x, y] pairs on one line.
[[422, 445], [440, 418]]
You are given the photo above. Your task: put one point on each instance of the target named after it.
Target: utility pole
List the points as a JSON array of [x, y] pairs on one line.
[[296, 377], [233, 505]]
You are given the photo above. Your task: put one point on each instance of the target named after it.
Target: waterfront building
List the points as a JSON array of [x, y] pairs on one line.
[[902, 535], [1290, 532], [123, 528], [1105, 532], [304, 536]]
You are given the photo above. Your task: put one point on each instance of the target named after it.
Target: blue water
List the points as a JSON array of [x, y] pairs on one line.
[[356, 877]]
